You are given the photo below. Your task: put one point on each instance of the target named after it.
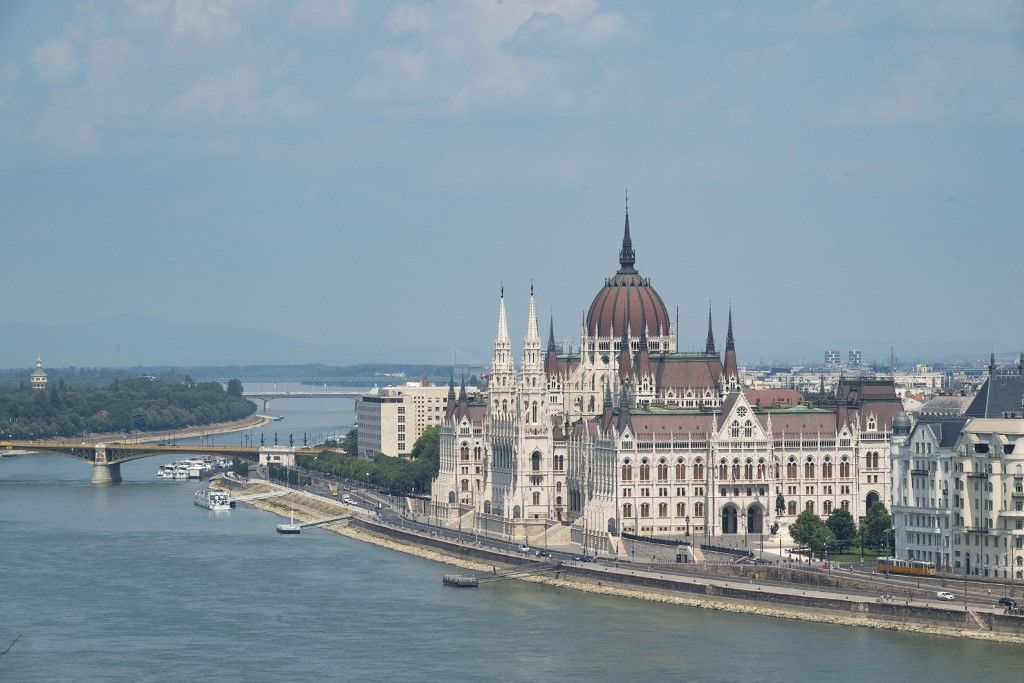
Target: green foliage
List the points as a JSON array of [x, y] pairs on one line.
[[876, 525], [234, 387], [809, 529], [428, 447], [843, 528], [140, 403], [350, 444], [239, 467]]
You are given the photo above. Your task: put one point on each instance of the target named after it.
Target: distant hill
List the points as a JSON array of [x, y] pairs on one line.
[[140, 340]]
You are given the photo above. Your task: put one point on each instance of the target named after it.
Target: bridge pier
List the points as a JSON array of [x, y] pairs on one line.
[[266, 407], [106, 473]]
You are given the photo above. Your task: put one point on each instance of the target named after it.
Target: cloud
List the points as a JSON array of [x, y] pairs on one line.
[[238, 95], [463, 57], [325, 15], [55, 60]]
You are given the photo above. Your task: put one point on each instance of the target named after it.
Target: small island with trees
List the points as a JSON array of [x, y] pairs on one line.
[[137, 404]]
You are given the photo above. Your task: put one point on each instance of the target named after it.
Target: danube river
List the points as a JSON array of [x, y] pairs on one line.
[[133, 582]]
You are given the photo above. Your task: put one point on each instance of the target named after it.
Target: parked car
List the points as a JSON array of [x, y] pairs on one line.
[[1007, 602], [542, 553], [524, 548], [945, 595], [583, 558]]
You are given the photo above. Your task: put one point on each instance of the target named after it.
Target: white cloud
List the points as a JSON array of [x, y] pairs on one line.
[[325, 15], [456, 58], [55, 61], [238, 95]]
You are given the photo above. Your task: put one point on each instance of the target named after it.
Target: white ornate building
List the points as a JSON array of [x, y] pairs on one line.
[[629, 435]]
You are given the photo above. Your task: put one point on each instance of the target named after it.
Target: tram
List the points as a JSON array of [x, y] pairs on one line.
[[891, 565]]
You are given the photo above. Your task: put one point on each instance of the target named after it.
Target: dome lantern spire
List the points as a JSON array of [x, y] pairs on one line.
[[627, 257]]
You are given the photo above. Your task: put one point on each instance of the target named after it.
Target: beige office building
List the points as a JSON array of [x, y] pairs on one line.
[[392, 418]]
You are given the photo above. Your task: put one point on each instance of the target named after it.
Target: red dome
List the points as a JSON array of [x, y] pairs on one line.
[[627, 296]]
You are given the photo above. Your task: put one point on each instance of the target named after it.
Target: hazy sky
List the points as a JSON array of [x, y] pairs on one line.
[[848, 174]]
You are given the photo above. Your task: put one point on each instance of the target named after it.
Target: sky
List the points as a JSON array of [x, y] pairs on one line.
[[345, 172]]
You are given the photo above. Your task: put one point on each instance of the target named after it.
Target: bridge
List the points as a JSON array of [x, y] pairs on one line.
[[268, 396], [106, 458]]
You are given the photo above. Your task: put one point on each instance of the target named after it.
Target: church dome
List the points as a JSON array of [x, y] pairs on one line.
[[629, 299]]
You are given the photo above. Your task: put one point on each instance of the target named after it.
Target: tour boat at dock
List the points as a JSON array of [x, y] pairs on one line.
[[213, 499]]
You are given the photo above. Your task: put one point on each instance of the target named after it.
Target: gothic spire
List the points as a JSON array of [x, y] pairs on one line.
[[551, 358], [627, 257], [532, 331], [731, 368], [551, 334], [451, 388], [502, 320], [462, 389], [709, 347]]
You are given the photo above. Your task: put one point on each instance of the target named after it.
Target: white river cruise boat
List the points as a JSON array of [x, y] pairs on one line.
[[213, 499]]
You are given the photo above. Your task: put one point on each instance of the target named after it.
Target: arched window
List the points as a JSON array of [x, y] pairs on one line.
[[809, 468], [698, 469], [826, 468], [680, 509], [663, 509], [627, 471], [559, 462], [645, 509], [627, 510], [734, 429], [662, 470], [809, 506], [535, 461], [844, 468], [536, 497], [476, 453], [723, 470], [791, 507], [534, 420], [465, 484], [791, 468], [827, 507], [504, 405], [760, 468], [748, 429], [645, 470], [845, 505], [558, 487], [698, 509], [735, 468], [464, 451], [748, 469]]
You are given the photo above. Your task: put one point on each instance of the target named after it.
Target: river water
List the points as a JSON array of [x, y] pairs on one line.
[[133, 582]]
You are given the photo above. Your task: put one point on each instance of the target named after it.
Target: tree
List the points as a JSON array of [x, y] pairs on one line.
[[428, 447], [350, 444], [803, 526], [821, 538], [876, 525], [239, 467], [843, 528], [234, 387]]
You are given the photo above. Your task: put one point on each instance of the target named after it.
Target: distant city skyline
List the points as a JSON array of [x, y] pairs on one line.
[[352, 178]]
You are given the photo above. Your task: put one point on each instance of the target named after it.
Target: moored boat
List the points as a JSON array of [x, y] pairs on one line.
[[213, 499]]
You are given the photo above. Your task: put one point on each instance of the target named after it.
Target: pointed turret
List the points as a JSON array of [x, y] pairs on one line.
[[709, 346], [551, 359], [627, 257], [462, 390], [992, 364], [643, 355], [731, 369], [531, 340], [451, 388], [502, 380]]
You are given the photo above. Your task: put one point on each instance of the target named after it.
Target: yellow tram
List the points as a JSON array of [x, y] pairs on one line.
[[891, 565]]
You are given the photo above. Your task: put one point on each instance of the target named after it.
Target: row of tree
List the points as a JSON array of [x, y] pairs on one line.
[[124, 405], [398, 475], [839, 532]]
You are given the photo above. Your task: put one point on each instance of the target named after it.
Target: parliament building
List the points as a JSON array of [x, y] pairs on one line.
[[628, 435]]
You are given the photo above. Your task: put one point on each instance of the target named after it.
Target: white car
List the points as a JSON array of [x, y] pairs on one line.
[[945, 595], [524, 548]]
